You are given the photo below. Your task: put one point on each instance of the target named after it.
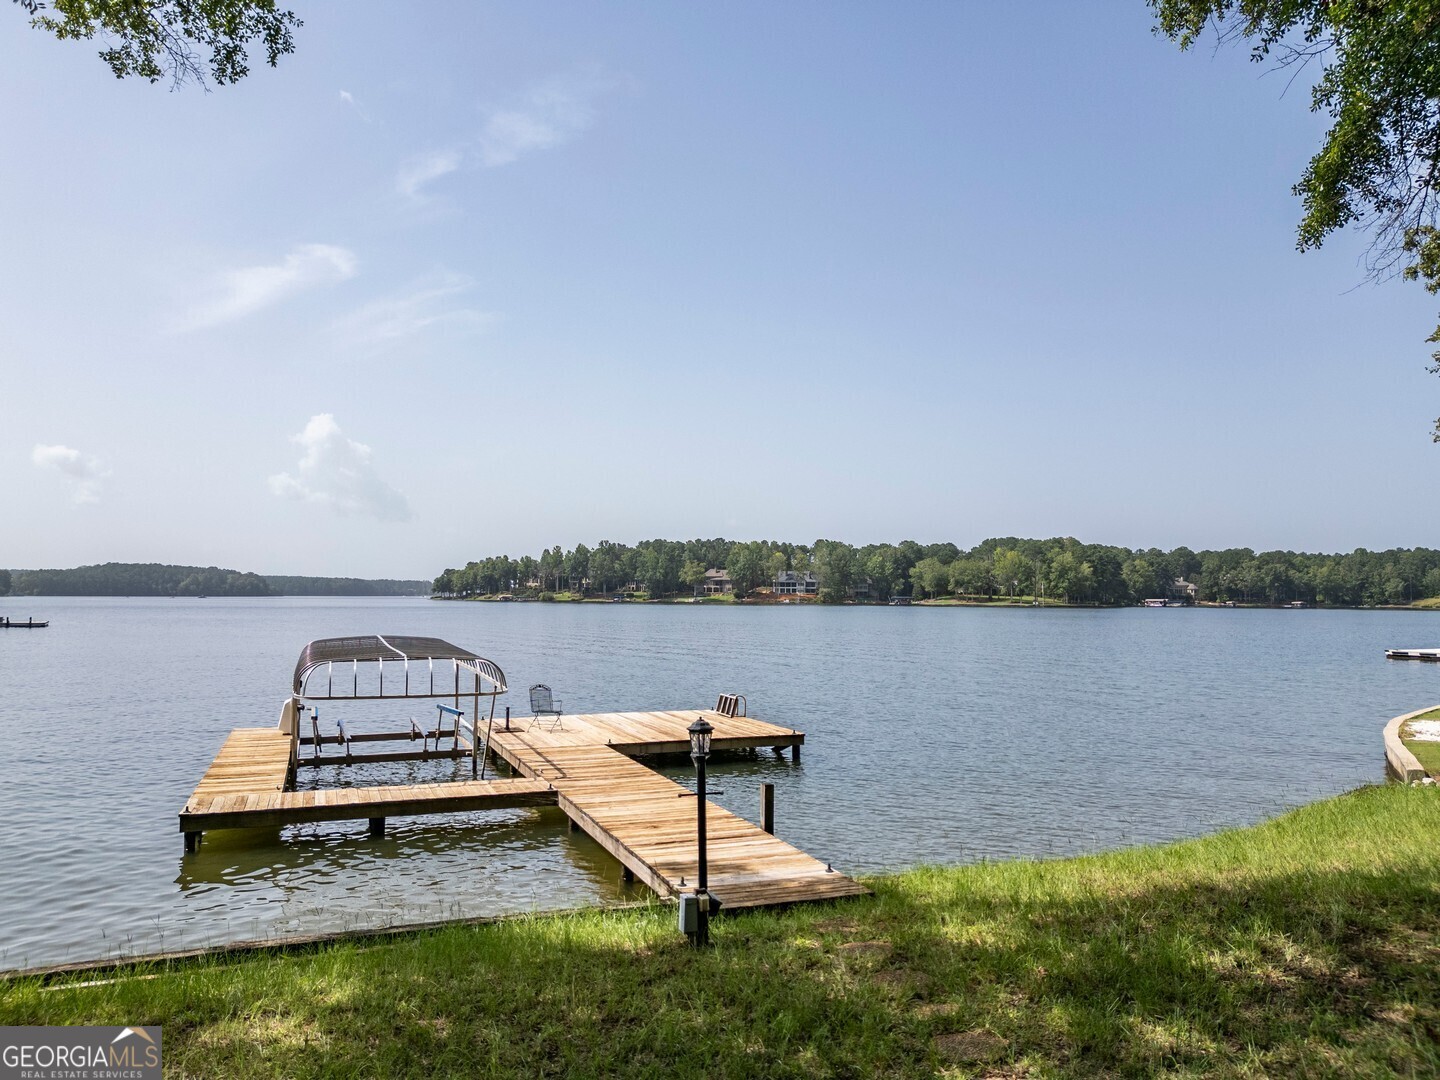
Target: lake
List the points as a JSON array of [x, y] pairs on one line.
[[940, 735]]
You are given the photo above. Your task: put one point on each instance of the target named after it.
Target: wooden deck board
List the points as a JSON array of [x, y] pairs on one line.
[[343, 804], [639, 817]]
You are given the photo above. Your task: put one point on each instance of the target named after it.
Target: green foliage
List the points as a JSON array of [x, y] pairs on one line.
[[880, 565], [747, 567], [834, 570], [692, 573], [1060, 567], [156, 579], [660, 564], [1301, 947], [1068, 576], [1011, 567], [4, 582], [930, 577], [972, 577], [301, 585], [155, 39], [141, 579], [1379, 163], [1140, 578]]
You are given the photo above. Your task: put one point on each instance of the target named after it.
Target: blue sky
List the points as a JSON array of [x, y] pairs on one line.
[[489, 277]]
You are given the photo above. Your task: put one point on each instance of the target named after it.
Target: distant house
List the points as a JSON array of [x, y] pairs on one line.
[[717, 581], [795, 583], [1184, 590]]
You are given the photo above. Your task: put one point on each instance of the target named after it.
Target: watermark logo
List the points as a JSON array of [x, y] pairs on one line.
[[80, 1053]]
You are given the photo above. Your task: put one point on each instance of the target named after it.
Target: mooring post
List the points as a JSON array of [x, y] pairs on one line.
[[377, 826], [767, 808], [507, 717]]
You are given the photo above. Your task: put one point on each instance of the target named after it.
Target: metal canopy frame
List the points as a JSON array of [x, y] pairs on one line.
[[327, 652], [485, 678]]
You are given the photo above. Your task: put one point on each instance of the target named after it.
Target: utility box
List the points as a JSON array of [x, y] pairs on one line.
[[689, 913]]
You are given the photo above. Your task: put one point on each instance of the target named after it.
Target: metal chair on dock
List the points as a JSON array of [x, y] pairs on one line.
[[543, 704]]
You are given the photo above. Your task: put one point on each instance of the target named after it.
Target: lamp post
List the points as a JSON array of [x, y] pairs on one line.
[[700, 732]]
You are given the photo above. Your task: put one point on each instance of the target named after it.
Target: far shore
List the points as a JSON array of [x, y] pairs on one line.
[[777, 600]]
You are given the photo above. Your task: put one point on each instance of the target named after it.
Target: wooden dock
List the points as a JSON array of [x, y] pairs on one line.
[[585, 766], [648, 823], [247, 787]]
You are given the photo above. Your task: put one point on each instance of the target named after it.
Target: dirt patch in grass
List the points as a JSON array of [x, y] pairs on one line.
[[979, 1045]]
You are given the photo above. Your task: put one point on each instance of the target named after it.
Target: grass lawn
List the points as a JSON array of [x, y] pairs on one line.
[[1427, 753], [1307, 946]]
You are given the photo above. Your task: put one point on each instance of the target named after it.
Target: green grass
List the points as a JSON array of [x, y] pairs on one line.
[[1427, 753], [1428, 604], [1306, 946]]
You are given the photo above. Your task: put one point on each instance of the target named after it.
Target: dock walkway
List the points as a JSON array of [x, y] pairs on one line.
[[645, 821], [250, 761], [585, 766]]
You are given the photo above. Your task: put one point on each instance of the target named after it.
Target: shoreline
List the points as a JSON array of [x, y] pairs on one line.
[[1213, 955], [943, 602]]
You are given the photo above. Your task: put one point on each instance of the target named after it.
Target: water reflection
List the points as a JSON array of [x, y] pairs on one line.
[[524, 845]]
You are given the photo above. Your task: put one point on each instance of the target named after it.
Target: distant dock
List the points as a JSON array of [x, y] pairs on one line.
[[1412, 654], [28, 624]]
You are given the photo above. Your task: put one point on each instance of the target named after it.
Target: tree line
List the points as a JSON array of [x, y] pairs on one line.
[[1060, 568], [158, 579]]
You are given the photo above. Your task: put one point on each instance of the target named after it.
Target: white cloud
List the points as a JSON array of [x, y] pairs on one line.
[[247, 290], [336, 471], [549, 114], [421, 170], [83, 471], [430, 303], [347, 98]]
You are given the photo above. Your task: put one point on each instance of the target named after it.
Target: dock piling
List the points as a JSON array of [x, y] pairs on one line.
[[767, 808], [377, 826]]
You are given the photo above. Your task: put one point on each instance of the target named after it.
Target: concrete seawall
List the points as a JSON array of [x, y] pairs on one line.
[[1400, 762]]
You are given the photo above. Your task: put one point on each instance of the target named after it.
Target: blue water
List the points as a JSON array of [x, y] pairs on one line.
[[933, 735]]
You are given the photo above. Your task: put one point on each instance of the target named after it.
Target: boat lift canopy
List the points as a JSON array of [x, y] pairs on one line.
[[488, 679]]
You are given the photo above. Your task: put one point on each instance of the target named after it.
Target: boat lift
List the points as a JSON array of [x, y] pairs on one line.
[[429, 668]]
